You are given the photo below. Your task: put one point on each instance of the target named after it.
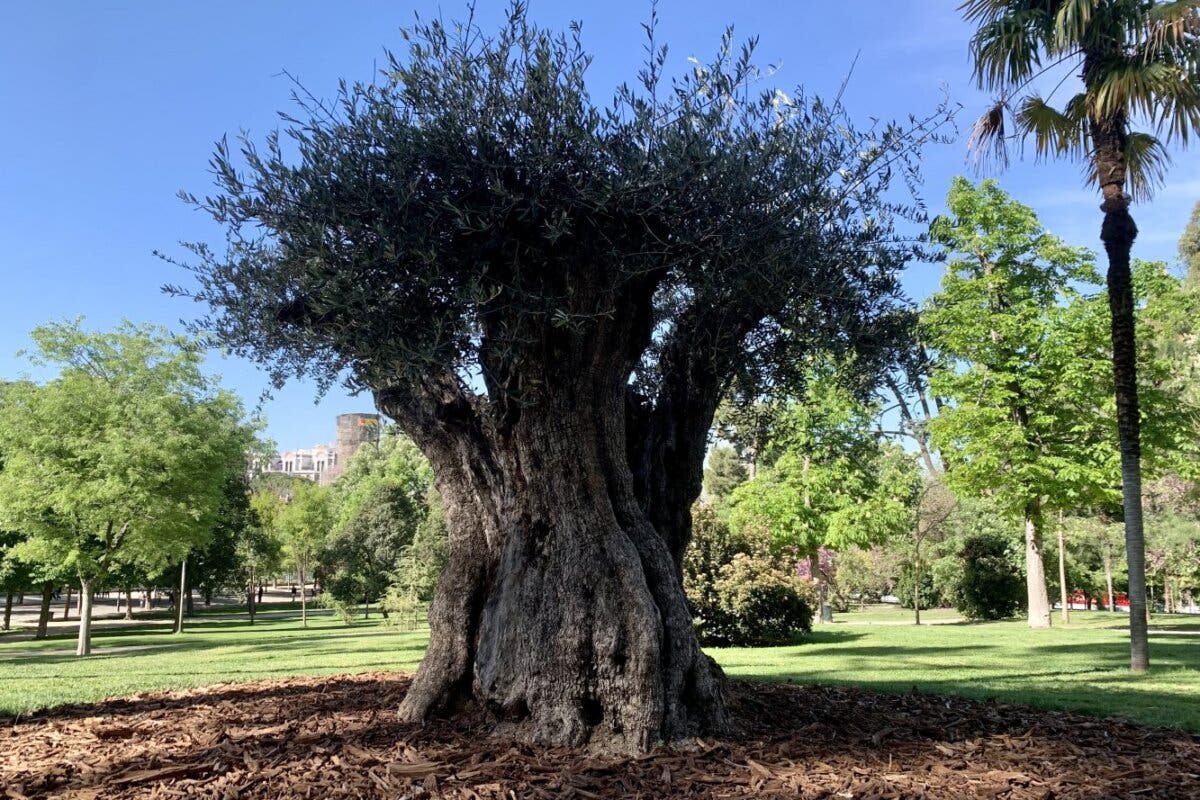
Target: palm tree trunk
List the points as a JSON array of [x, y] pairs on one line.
[[1118, 234]]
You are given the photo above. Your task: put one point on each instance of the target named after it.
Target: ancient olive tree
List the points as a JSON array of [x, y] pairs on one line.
[[550, 297]]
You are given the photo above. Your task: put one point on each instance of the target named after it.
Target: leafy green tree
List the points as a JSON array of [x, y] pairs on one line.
[[1139, 61], [1189, 248], [724, 473], [304, 523], [15, 574], [218, 564], [551, 295], [832, 483], [120, 458], [358, 560], [261, 546], [395, 461], [1011, 428], [989, 583]]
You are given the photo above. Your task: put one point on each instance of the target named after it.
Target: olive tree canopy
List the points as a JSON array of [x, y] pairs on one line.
[[551, 296]]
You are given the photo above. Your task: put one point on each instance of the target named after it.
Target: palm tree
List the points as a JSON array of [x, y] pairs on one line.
[[1139, 64]]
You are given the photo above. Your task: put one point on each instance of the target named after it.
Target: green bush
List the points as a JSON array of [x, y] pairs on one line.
[[738, 597], [760, 603], [343, 608], [402, 609], [906, 586], [991, 586]]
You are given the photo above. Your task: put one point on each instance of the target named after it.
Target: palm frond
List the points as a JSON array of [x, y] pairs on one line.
[[988, 142], [1170, 25], [1129, 85], [1054, 132], [1072, 21], [1177, 108], [1008, 49], [984, 10]]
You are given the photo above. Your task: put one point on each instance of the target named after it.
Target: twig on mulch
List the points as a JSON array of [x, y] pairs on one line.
[[339, 737]]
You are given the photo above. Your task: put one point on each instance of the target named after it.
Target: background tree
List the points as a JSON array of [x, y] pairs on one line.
[[262, 543], [1189, 248], [551, 296], [832, 483], [421, 561], [304, 522], [1139, 61], [121, 458], [994, 326], [724, 473], [217, 565], [360, 556], [15, 574]]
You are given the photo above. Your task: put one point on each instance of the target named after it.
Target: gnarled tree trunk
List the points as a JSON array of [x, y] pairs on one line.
[[561, 609]]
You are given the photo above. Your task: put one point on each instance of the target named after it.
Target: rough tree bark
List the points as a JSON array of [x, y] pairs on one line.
[[8, 604], [1118, 233], [562, 609]]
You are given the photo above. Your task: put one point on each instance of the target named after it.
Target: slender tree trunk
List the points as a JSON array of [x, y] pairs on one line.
[[303, 598], [250, 596], [1035, 568], [84, 645], [917, 580], [1062, 572], [179, 598], [8, 604], [129, 602], [1108, 579], [46, 611], [67, 604]]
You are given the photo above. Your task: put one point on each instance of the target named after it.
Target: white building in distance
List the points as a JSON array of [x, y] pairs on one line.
[[323, 463]]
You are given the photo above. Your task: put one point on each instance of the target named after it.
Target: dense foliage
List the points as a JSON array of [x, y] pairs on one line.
[[990, 586], [739, 593]]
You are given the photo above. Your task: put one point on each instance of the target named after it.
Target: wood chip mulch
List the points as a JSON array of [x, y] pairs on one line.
[[338, 737]]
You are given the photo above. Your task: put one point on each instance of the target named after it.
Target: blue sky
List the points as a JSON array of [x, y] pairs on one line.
[[111, 108]]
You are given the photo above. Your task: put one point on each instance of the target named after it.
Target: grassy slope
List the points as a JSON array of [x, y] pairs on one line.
[[1079, 668]]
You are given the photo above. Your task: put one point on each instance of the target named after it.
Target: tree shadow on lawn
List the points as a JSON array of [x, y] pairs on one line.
[[312, 646], [1115, 654], [340, 737]]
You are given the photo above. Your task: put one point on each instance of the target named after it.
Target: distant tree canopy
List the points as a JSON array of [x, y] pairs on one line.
[[121, 459], [551, 295]]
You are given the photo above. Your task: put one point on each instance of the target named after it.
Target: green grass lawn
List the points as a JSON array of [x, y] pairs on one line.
[[1080, 667]]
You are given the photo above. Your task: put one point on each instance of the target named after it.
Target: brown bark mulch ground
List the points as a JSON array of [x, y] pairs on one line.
[[338, 737]]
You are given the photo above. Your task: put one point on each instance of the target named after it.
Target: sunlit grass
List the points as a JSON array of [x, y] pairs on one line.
[[1081, 667]]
